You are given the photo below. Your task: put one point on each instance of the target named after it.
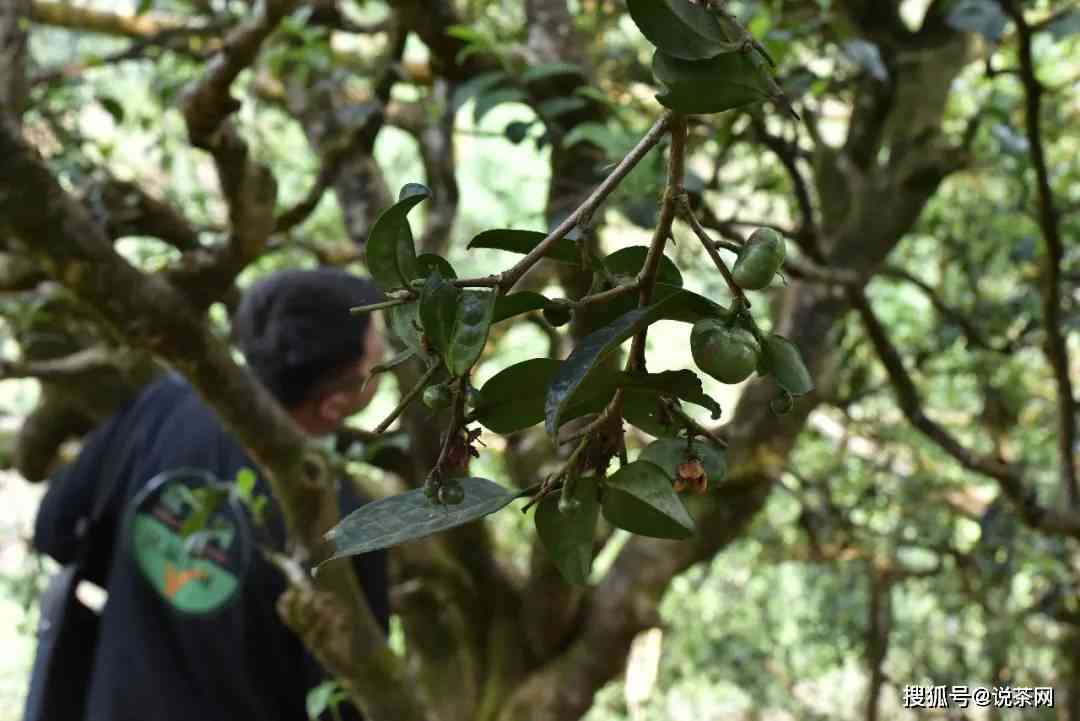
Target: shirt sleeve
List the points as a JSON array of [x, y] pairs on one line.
[[76, 491]]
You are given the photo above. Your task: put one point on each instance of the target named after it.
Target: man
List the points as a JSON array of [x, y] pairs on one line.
[[189, 630]]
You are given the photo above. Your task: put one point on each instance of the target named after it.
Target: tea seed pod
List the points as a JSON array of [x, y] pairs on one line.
[[728, 354], [759, 259]]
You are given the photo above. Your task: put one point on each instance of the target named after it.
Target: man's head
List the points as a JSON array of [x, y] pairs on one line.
[[299, 338]]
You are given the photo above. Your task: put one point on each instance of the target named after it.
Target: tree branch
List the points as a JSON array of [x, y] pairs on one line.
[[1040, 518], [1055, 348]]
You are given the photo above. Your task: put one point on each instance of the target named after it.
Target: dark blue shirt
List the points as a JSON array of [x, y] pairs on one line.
[[182, 639]]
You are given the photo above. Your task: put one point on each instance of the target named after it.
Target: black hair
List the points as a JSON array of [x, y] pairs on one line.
[[295, 329]]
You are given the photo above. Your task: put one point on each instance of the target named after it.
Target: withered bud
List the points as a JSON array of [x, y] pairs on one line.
[[691, 472]]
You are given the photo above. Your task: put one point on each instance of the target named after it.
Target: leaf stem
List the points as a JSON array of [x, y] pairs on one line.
[[710, 248]]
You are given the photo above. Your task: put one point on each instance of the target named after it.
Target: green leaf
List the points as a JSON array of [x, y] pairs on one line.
[[595, 133], [547, 70], [513, 399], [668, 453], [487, 102], [682, 30], [143, 6], [427, 263], [244, 486], [405, 324], [523, 241], [628, 262], [781, 359], [684, 384], [391, 255], [576, 374], [568, 537], [477, 86], [471, 325], [558, 106], [397, 519], [113, 107], [438, 310], [642, 408], [727, 81], [507, 306], [318, 699], [639, 498]]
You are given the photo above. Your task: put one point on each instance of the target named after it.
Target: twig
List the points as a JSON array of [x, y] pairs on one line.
[[1047, 520], [710, 248], [1055, 348], [361, 309], [407, 399], [508, 279], [672, 193]]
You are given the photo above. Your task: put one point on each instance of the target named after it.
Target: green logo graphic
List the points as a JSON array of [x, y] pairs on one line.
[[199, 572]]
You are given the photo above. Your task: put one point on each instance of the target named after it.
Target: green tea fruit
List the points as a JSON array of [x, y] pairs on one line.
[[759, 259], [728, 354]]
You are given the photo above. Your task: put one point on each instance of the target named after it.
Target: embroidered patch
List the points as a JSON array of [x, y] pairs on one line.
[[190, 540]]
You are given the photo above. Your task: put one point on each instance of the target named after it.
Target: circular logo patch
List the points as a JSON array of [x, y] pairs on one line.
[[190, 540]]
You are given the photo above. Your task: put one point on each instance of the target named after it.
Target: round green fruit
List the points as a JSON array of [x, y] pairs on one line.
[[728, 354], [557, 315], [437, 397], [759, 259]]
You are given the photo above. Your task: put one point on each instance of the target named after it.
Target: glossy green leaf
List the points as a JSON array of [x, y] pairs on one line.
[[679, 28], [571, 383], [391, 255], [642, 408], [390, 521], [513, 399], [438, 310], [472, 322], [507, 306], [727, 81], [486, 102], [428, 263], [405, 324], [781, 359], [523, 241], [683, 384], [628, 262], [668, 453], [639, 499], [568, 537]]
